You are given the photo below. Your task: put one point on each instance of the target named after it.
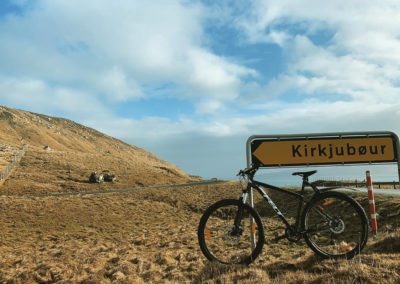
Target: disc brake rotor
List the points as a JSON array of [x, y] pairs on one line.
[[336, 226]]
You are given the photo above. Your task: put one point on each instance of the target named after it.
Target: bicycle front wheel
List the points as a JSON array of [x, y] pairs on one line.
[[222, 241], [335, 225]]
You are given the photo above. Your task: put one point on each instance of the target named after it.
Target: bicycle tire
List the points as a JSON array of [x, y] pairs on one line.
[[217, 240], [335, 225]]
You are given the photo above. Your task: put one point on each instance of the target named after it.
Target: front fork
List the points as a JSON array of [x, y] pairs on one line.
[[239, 215], [247, 194]]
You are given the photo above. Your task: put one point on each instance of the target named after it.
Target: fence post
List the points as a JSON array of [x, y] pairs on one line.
[[371, 199]]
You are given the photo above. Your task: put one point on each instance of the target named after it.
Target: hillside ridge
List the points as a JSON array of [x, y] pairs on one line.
[[62, 153]]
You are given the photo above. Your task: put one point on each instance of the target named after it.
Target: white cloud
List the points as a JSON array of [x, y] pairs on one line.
[[118, 48], [316, 116], [360, 62], [36, 95], [316, 70], [215, 77], [210, 107], [272, 118], [117, 87]]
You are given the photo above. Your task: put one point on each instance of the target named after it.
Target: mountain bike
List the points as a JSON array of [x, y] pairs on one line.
[[333, 224]]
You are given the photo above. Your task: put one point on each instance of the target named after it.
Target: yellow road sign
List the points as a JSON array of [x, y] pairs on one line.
[[324, 151]]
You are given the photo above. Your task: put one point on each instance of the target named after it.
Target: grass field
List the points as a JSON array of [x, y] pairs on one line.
[[150, 236]]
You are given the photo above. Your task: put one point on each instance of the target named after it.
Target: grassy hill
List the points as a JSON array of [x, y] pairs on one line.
[[75, 151]]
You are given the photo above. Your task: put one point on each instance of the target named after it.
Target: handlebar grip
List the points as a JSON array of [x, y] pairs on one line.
[[243, 172]]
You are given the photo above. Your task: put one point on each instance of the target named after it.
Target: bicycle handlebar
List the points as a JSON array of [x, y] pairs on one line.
[[248, 171]]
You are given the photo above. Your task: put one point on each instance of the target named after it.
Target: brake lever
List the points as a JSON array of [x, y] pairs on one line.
[[243, 172]]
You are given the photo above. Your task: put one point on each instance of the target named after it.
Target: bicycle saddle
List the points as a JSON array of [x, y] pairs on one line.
[[304, 174]]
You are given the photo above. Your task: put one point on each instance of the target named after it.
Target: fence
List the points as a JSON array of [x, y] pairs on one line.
[[17, 158]]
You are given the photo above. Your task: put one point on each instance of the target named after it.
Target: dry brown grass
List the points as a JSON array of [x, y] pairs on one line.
[[149, 236], [41, 171], [7, 154]]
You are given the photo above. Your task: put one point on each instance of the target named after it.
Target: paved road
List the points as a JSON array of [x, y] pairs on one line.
[[394, 192], [204, 182]]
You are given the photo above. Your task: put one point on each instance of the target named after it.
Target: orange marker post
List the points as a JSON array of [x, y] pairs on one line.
[[371, 199]]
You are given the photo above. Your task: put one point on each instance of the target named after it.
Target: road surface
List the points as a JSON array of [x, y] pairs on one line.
[[390, 192], [203, 182], [394, 192]]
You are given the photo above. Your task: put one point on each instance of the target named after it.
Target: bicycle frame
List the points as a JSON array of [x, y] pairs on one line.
[[258, 186]]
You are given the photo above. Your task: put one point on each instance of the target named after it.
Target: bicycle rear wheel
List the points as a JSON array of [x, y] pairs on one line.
[[220, 240], [335, 225]]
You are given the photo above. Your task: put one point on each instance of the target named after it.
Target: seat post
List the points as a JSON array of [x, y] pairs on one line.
[[303, 185]]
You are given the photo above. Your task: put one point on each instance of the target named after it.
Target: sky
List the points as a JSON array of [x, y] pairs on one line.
[[190, 81]]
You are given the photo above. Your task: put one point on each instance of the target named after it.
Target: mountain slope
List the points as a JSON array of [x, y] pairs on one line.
[[74, 152]]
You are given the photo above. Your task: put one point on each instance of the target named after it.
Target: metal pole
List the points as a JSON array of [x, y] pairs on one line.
[[250, 200], [252, 232], [398, 168], [397, 146]]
